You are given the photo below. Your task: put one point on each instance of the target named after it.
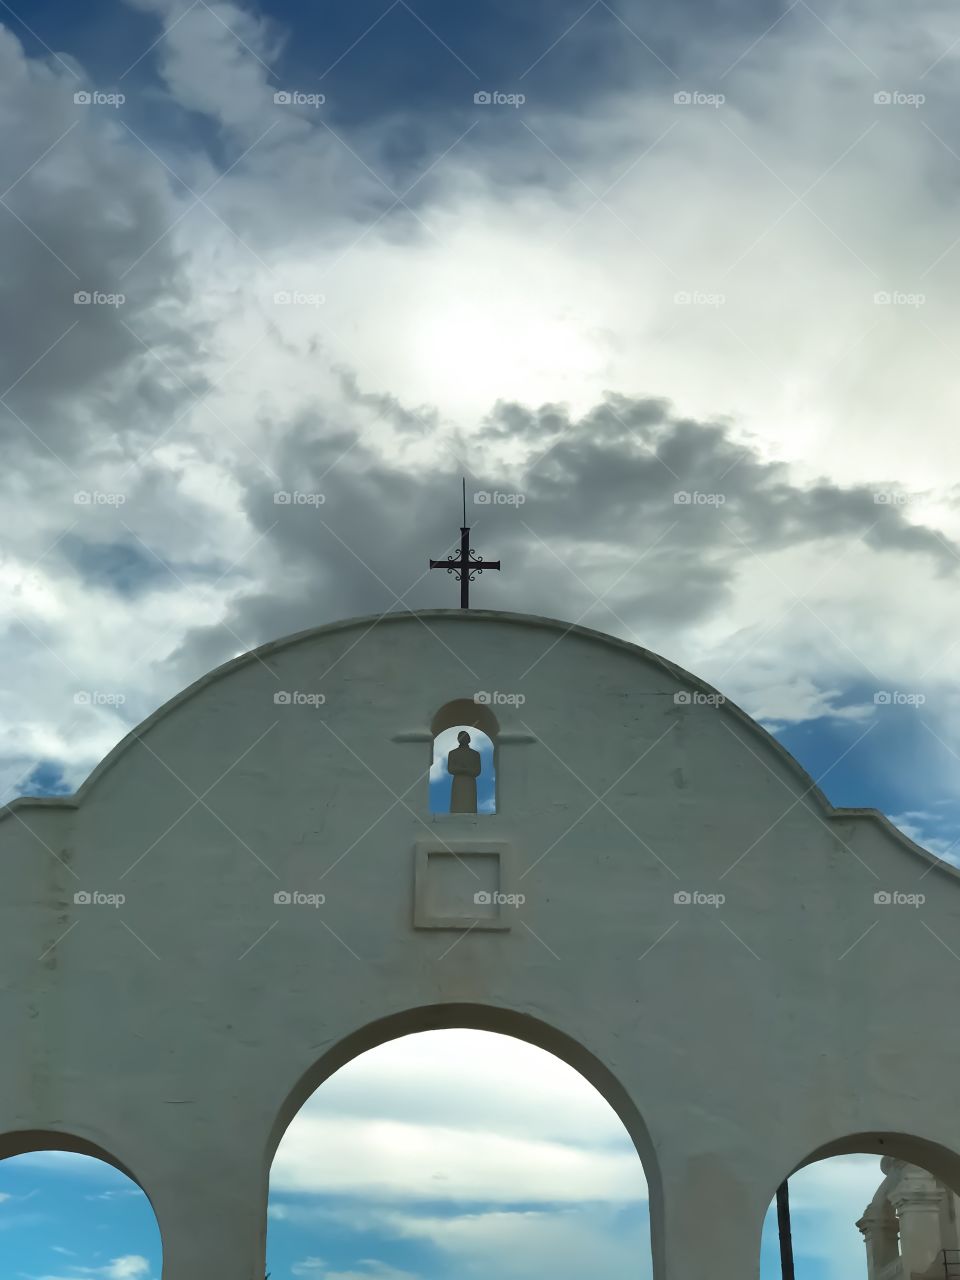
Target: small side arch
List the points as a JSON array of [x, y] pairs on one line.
[[933, 1157], [22, 1142], [937, 1159]]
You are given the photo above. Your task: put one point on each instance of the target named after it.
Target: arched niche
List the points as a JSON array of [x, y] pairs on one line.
[[464, 716], [466, 711], [71, 1194], [503, 1023]]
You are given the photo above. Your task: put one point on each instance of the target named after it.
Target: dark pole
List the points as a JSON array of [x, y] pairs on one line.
[[786, 1237], [464, 570]]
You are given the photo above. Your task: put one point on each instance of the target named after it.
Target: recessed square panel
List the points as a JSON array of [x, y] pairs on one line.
[[462, 885]]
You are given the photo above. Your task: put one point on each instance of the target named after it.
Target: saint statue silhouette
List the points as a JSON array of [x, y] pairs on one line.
[[464, 764]]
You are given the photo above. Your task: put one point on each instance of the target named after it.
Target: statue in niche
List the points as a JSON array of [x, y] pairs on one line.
[[464, 764]]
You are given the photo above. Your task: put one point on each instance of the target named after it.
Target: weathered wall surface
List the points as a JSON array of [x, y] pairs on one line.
[[180, 1031]]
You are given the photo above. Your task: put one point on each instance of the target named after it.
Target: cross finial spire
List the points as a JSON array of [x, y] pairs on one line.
[[466, 565]]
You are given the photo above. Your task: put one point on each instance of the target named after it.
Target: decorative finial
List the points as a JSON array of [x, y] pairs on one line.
[[466, 565]]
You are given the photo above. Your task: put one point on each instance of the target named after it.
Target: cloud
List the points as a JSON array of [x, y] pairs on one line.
[[128, 1267], [391, 1158], [472, 1105], [565, 373], [367, 1269], [667, 531], [520, 1244], [83, 203]]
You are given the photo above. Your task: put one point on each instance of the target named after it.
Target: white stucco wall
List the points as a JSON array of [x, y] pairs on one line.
[[179, 1033]]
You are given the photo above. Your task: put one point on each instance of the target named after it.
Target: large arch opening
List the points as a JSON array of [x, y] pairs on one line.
[[428, 1147], [878, 1206], [70, 1210]]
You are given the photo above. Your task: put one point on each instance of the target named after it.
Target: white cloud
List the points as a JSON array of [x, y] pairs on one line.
[[128, 1267], [317, 1269], [563, 1244], [461, 1078], [390, 1158], [443, 1116]]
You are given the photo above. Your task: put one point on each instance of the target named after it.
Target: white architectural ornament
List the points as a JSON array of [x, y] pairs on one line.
[[910, 1227]]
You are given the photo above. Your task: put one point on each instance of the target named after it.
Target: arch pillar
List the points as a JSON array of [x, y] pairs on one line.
[[212, 1211], [709, 1223]]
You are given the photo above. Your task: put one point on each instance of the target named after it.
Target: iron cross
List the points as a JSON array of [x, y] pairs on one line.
[[466, 565]]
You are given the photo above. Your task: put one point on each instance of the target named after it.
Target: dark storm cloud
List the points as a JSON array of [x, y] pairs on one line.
[[94, 352], [628, 454], [657, 513]]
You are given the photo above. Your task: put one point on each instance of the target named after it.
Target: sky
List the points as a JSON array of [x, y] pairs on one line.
[[671, 286]]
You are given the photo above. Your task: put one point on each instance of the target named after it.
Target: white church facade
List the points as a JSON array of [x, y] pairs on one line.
[[251, 889]]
